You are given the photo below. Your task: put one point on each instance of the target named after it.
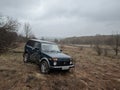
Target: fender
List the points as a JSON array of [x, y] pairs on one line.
[[46, 59]]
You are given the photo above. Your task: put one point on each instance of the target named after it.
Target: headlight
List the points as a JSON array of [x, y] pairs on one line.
[[55, 63], [54, 59], [71, 61]]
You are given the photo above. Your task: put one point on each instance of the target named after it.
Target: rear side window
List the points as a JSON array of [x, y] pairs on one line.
[[30, 43]]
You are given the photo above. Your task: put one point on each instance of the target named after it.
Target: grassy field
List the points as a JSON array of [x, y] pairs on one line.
[[91, 72]]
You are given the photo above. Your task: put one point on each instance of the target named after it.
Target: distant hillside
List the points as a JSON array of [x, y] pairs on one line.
[[87, 39]]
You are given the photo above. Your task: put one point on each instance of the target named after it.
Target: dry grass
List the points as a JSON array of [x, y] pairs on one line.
[[91, 72]]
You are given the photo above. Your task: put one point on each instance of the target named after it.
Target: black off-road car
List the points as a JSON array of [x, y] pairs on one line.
[[47, 55]]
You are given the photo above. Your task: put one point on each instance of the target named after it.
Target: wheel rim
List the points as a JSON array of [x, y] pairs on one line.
[[43, 68], [25, 58]]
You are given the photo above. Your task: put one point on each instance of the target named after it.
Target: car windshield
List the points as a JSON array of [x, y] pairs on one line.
[[46, 47]]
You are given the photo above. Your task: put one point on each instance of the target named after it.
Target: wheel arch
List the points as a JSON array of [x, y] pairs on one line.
[[45, 59]]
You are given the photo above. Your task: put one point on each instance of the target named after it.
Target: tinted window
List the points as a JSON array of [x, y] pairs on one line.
[[37, 45], [49, 47], [30, 43]]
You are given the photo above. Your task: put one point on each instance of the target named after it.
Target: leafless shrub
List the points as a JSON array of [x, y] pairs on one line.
[[114, 42], [8, 29], [105, 52], [97, 45], [98, 49]]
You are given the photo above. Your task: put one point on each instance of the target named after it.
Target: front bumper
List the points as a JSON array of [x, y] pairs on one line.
[[62, 67]]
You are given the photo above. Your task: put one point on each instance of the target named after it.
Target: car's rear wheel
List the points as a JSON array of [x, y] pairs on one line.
[[25, 58], [44, 67]]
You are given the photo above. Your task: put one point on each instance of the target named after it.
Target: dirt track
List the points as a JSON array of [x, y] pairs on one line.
[[91, 72]]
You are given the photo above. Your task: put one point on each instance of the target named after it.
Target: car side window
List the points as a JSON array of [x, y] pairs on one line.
[[30, 43], [37, 45]]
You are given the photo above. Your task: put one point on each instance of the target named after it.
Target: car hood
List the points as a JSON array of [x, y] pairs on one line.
[[57, 55]]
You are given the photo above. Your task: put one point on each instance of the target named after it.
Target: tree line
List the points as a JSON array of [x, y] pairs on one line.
[[99, 43]]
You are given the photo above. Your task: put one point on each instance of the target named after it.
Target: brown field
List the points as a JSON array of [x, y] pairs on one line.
[[91, 72]]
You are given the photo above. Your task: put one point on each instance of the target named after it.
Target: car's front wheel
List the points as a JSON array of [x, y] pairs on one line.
[[25, 58], [44, 67]]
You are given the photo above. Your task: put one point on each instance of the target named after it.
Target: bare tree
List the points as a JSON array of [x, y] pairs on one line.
[[56, 40], [8, 29], [115, 43], [27, 30], [9, 25]]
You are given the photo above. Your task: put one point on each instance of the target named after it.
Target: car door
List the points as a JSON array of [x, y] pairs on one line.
[[35, 56], [29, 47]]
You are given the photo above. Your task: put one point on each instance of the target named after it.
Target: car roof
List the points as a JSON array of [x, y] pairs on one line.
[[42, 41]]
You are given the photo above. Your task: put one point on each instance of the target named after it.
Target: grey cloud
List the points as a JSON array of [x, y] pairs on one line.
[[65, 17]]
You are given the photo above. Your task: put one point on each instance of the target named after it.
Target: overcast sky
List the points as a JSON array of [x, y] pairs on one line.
[[65, 18]]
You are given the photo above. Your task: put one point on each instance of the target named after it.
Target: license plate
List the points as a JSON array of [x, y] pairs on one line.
[[65, 67]]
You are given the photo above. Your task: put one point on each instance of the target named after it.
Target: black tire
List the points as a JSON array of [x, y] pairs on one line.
[[44, 67], [25, 58]]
